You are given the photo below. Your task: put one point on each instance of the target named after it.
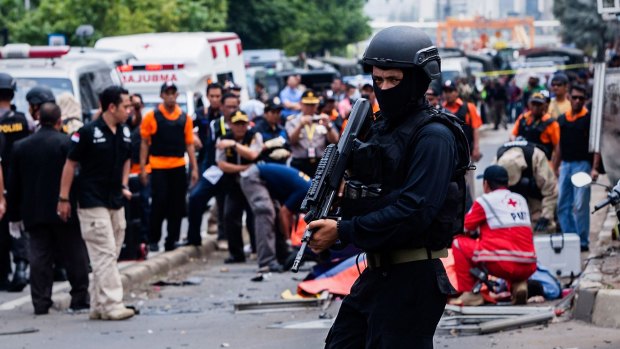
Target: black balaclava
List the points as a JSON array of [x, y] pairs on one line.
[[409, 93]]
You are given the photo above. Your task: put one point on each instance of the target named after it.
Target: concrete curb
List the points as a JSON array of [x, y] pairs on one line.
[[161, 264], [147, 271], [595, 302]]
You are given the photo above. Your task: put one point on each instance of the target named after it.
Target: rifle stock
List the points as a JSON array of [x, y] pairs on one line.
[[324, 188]]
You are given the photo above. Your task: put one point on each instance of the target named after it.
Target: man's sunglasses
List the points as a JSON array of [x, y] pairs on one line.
[[581, 98]]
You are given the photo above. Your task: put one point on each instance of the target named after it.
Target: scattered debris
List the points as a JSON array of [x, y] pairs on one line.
[[304, 325], [192, 281], [288, 295], [280, 305], [257, 278], [23, 331], [489, 319]]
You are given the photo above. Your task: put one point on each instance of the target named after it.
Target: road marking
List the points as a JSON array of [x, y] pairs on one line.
[[56, 288]]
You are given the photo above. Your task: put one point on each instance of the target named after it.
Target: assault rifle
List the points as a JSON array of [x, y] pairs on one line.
[[324, 188]]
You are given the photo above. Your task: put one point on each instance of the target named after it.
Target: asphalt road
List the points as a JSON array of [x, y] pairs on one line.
[[202, 315]]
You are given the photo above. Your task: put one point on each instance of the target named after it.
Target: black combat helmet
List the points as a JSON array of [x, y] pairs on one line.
[[403, 47], [39, 95], [7, 82]]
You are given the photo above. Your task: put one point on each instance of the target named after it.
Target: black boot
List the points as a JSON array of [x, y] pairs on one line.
[[19, 277]]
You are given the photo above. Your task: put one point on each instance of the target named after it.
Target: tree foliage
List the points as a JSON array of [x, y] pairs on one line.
[[583, 25], [109, 17], [294, 25], [298, 25]]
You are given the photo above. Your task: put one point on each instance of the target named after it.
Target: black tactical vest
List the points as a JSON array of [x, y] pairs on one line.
[[461, 114], [532, 134], [169, 139], [380, 161], [231, 154]]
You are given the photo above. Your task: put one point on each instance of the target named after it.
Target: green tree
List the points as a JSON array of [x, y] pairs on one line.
[[583, 25], [109, 17], [297, 25]]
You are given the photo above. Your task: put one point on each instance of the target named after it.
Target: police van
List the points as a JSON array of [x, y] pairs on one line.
[[50, 66], [190, 60]]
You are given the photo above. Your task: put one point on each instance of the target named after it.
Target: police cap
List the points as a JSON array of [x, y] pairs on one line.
[[309, 97], [239, 117], [273, 104], [39, 95]]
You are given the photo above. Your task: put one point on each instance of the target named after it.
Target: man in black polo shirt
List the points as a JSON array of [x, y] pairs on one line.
[[102, 149]]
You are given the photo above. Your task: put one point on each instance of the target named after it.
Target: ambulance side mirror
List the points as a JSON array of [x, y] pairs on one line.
[[581, 179]]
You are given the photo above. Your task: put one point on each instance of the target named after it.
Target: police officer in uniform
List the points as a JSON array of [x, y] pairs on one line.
[[275, 139], [413, 163], [14, 126], [236, 151], [309, 134]]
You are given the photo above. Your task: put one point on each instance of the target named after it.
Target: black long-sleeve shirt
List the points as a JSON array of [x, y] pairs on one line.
[[34, 178], [429, 169]]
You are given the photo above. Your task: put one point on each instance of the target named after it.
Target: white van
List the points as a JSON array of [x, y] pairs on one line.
[[52, 67], [190, 60], [115, 58]]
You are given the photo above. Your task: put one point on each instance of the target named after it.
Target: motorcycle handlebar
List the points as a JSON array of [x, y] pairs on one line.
[[601, 204]]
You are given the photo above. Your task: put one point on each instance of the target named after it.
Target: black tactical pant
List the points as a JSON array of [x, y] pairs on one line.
[[8, 245], [235, 205], [393, 307], [62, 242], [168, 192]]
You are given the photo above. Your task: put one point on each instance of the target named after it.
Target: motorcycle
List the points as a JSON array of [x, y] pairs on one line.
[[582, 179]]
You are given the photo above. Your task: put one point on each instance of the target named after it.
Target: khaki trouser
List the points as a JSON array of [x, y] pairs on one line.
[[258, 197], [103, 231]]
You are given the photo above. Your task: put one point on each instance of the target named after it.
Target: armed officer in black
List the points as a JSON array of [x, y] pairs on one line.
[[413, 164]]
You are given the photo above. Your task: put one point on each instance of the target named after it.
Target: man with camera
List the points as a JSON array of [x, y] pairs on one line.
[[309, 134]]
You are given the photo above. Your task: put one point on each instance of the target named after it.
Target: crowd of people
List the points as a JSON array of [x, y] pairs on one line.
[[549, 142], [255, 160]]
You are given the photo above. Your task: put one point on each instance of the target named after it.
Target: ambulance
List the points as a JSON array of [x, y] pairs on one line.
[[54, 68], [190, 60]]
